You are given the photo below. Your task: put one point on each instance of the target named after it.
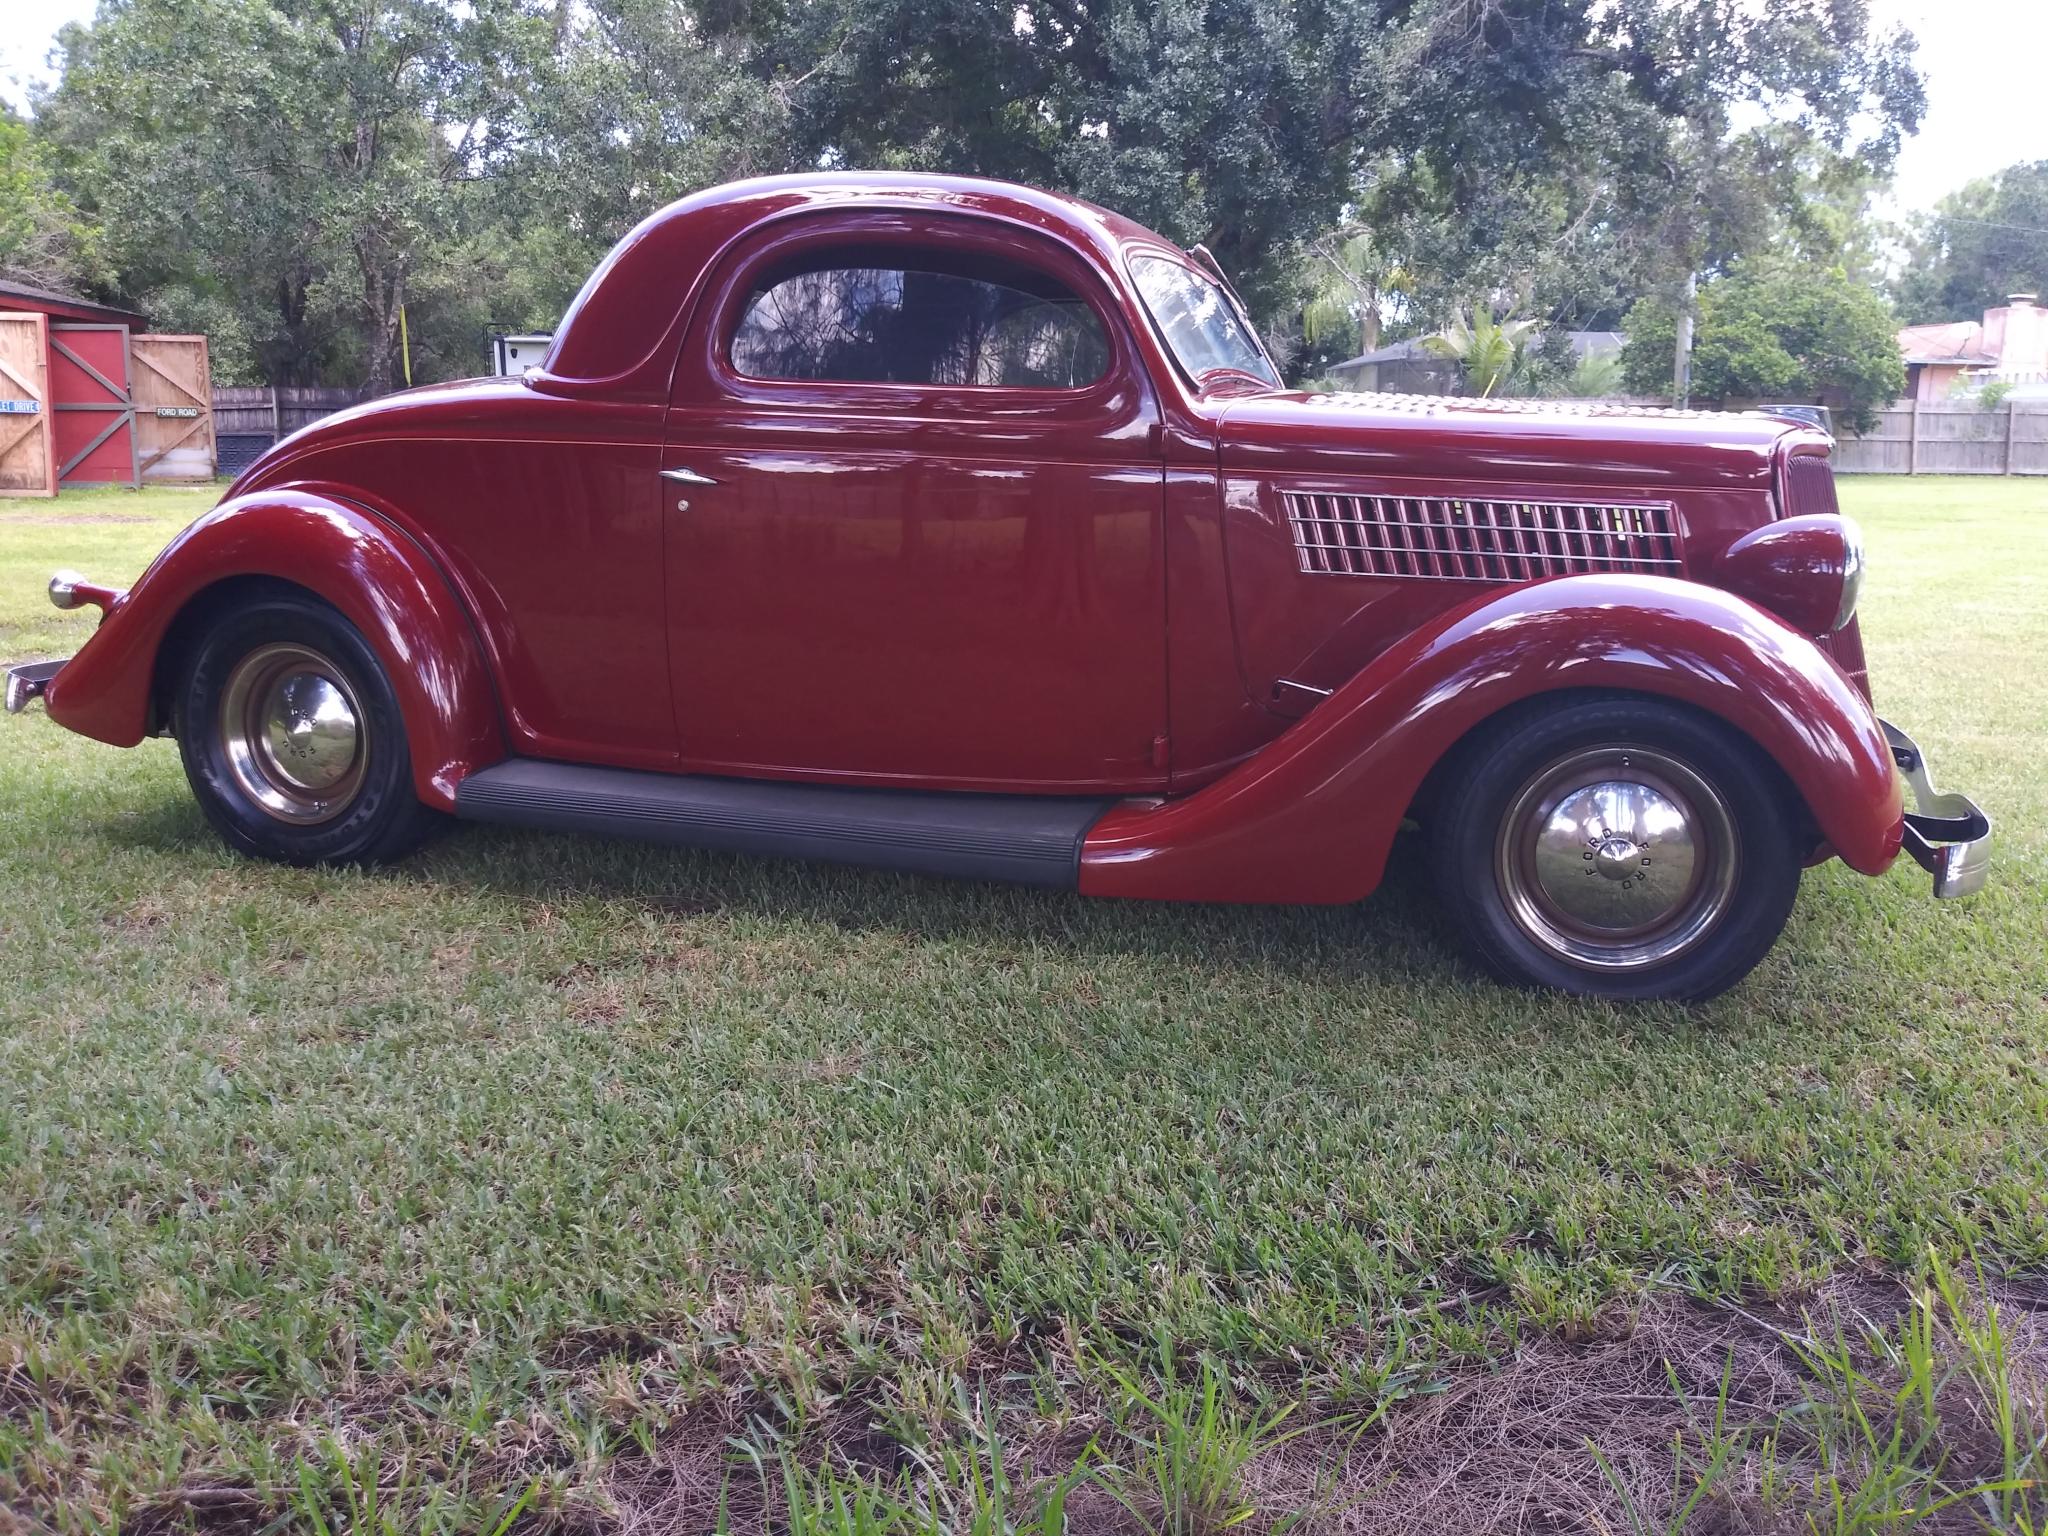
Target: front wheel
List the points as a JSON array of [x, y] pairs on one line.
[[1616, 847], [292, 737]]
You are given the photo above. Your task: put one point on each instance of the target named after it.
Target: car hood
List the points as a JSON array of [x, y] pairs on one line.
[[1519, 441]]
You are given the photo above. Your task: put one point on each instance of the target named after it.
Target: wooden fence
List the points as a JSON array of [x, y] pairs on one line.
[[1950, 439], [249, 418], [277, 412]]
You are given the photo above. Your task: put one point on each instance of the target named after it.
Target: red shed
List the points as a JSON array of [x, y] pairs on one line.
[[89, 397]]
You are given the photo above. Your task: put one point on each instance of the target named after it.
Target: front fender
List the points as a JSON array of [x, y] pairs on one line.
[[1312, 816], [378, 579]]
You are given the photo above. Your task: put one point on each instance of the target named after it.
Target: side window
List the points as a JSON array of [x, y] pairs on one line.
[[882, 316]]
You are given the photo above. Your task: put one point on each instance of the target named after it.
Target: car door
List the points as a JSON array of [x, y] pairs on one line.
[[913, 514]]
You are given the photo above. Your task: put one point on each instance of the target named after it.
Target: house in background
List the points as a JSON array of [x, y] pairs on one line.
[[2009, 346], [1410, 368], [1399, 368]]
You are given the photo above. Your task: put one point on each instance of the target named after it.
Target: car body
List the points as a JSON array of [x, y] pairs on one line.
[[946, 525]]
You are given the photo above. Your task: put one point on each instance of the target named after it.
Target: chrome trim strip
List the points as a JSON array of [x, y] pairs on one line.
[[1853, 567], [1296, 698], [1947, 834]]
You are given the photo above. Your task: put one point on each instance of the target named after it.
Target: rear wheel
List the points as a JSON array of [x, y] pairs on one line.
[[1616, 847], [292, 737]]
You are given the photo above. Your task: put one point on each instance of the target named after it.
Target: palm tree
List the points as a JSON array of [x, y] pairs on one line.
[[1597, 376], [1489, 352], [1351, 279]]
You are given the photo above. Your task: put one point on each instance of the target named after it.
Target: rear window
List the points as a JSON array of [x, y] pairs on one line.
[[880, 317]]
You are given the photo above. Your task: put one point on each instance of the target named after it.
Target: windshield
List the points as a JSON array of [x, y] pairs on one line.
[[1198, 320]]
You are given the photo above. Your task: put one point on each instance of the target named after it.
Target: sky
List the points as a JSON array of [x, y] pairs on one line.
[[1986, 63]]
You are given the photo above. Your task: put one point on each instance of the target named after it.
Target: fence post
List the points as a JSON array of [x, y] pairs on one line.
[[2010, 407], [276, 417], [1913, 439]]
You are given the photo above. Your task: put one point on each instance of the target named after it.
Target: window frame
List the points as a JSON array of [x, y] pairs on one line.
[[904, 261], [796, 236], [1135, 250]]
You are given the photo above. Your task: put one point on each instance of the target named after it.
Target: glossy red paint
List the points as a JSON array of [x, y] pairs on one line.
[[546, 515], [1050, 591], [383, 584], [957, 586], [1795, 568], [1311, 818], [622, 334]]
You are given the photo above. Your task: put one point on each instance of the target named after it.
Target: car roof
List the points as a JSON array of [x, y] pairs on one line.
[[605, 339]]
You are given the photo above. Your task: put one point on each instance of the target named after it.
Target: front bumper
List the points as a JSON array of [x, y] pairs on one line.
[[26, 682], [1947, 834]]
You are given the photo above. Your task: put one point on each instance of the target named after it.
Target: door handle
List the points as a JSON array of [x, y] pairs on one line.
[[687, 477]]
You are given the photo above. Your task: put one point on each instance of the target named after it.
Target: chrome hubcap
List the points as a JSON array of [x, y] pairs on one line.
[[1615, 858], [293, 733]]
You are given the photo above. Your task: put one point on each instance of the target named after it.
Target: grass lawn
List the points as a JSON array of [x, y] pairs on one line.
[[543, 1158]]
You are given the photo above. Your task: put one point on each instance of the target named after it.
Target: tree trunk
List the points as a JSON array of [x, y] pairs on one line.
[[376, 340], [1681, 358], [383, 293]]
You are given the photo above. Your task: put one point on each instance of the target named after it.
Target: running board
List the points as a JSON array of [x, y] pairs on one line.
[[1019, 839]]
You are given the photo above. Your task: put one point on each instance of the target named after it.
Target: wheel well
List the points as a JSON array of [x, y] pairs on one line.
[[201, 611], [1423, 804]]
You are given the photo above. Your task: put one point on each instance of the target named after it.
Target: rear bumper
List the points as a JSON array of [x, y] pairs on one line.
[[26, 682], [1947, 834]]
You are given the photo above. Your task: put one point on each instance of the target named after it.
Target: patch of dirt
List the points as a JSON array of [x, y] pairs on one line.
[[585, 1347], [686, 1483], [223, 1510], [1507, 1448], [1498, 1449], [1502, 1448]]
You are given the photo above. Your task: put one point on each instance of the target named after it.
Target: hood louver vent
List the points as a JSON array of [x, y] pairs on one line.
[[1491, 541]]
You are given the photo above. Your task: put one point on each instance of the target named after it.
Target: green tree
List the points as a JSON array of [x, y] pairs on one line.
[[44, 239], [1777, 332], [294, 174], [1979, 244], [1228, 122], [283, 165], [1474, 134], [291, 177]]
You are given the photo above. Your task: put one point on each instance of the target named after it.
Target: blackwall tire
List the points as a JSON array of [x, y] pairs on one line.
[[1616, 847], [292, 737]]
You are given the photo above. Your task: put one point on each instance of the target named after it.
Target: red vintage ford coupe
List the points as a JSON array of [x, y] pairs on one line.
[[950, 526]]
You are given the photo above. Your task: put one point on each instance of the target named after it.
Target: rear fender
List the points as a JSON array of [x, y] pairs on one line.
[[1312, 816], [378, 579]]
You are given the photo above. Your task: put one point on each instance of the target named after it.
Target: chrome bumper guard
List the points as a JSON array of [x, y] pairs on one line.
[[1947, 834], [26, 682]]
